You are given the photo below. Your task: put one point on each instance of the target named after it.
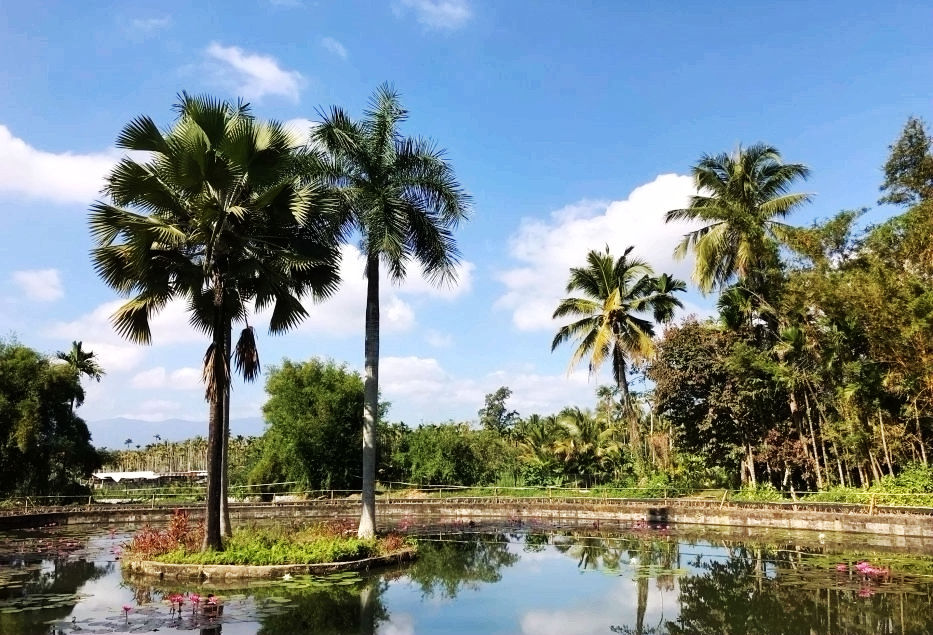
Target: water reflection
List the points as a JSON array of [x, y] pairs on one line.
[[447, 563], [546, 582]]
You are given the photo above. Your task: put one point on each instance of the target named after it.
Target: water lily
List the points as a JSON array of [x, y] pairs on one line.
[[287, 576], [126, 611]]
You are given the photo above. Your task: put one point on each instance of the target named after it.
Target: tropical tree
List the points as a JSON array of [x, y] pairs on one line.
[[400, 195], [620, 299], [741, 198], [215, 216], [81, 363]]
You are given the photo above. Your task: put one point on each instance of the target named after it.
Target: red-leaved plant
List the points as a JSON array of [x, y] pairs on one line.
[[149, 542]]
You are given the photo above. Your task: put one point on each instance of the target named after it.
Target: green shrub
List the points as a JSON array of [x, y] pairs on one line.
[[278, 545]]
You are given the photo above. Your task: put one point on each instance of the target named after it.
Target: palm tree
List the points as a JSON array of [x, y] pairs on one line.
[[740, 199], [215, 216], [620, 298], [402, 197], [81, 362]]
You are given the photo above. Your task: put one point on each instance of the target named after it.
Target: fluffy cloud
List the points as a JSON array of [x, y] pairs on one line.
[[547, 249], [344, 313], [334, 47], [590, 614], [422, 383], [44, 285], [253, 75], [64, 177], [170, 326], [158, 378], [300, 129], [436, 14]]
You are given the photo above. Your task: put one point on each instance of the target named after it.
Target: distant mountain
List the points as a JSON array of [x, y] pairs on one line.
[[112, 433]]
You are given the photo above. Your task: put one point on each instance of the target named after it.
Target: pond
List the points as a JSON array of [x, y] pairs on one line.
[[508, 579]]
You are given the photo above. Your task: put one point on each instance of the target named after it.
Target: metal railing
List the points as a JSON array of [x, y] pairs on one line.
[[290, 492]]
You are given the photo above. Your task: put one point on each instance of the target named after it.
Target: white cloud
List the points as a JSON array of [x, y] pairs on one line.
[[585, 614], [334, 47], [300, 129], [158, 378], [547, 249], [63, 177], [170, 326], [417, 283], [344, 313], [436, 14], [397, 624], [113, 357], [44, 285], [423, 383], [149, 26], [438, 339], [253, 75]]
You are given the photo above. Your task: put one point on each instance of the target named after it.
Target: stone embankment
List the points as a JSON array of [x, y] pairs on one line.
[[215, 572], [823, 517]]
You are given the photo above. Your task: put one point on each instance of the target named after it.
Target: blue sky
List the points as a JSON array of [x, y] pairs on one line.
[[572, 125]]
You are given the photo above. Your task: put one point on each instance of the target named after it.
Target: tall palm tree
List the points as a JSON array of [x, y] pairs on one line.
[[215, 216], [400, 195], [741, 198], [81, 362], [620, 297]]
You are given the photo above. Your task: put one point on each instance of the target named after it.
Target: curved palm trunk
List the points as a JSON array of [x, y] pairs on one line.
[[213, 539], [370, 400]]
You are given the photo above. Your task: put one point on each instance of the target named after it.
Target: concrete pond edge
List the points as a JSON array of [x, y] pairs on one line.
[[163, 570]]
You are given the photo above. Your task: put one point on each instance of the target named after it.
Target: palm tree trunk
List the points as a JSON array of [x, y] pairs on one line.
[[225, 528], [629, 413], [213, 539], [923, 451], [367, 527], [884, 442]]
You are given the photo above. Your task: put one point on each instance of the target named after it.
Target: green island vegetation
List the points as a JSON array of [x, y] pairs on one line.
[[813, 380], [324, 542]]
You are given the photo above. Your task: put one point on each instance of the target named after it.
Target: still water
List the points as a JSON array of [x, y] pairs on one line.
[[512, 579]]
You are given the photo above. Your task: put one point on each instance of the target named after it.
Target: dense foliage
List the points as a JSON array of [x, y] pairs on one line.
[[821, 375], [45, 448], [313, 436], [332, 541]]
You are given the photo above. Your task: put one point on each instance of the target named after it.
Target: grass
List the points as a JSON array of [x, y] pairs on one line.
[[325, 542]]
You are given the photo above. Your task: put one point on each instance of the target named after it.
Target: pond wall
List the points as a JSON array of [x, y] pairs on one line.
[[894, 522]]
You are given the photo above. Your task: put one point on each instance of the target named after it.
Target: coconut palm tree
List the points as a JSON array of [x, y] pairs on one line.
[[215, 216], [401, 197], [620, 299], [741, 200], [81, 362]]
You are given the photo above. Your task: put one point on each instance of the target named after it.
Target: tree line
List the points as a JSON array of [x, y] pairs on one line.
[[814, 371]]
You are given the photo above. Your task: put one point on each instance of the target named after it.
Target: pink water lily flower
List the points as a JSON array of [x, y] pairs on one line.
[[842, 567]]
